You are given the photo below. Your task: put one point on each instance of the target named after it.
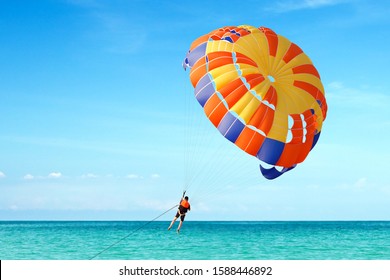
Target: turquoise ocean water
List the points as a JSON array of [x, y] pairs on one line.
[[197, 240]]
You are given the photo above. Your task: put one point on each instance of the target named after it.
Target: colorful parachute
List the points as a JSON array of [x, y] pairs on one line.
[[261, 92]]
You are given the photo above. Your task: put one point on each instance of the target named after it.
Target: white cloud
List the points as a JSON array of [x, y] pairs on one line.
[[133, 176], [336, 85], [136, 176], [28, 177], [14, 207], [361, 183], [2, 175], [55, 175], [89, 175]]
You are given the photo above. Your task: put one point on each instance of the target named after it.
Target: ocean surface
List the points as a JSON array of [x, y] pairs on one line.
[[197, 240]]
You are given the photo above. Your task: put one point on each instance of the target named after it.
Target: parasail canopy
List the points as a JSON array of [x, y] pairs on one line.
[[261, 92]]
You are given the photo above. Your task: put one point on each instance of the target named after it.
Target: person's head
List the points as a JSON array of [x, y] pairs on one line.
[[186, 198]]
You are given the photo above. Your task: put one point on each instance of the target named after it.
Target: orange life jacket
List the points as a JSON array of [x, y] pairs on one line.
[[185, 204]]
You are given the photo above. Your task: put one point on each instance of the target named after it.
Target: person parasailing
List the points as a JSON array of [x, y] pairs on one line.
[[184, 206]]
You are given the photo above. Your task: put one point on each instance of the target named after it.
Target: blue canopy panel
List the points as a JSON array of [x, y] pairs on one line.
[[230, 127], [270, 151], [204, 89], [272, 173], [193, 56]]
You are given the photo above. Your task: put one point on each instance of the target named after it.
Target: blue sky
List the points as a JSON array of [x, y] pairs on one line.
[[96, 112]]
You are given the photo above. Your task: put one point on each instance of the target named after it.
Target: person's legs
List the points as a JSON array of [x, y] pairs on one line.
[[173, 221], [181, 222]]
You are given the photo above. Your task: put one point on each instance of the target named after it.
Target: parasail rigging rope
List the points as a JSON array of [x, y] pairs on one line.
[[132, 232]]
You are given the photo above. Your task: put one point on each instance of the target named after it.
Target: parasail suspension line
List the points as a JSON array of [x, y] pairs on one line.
[[134, 231]]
